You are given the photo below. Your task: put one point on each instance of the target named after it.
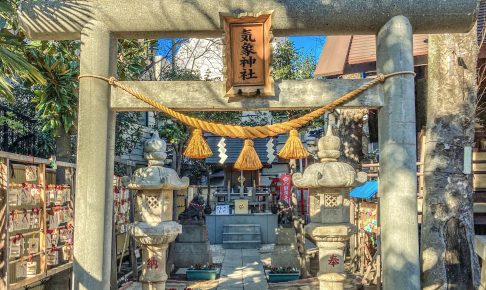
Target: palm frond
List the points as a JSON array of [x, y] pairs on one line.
[[15, 64], [5, 8], [6, 89], [12, 67]]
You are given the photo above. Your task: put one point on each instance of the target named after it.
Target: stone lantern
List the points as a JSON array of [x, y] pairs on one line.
[[329, 183], [154, 228]]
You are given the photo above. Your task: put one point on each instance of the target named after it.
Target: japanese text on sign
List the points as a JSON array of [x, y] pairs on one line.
[[248, 58], [248, 54], [285, 188]]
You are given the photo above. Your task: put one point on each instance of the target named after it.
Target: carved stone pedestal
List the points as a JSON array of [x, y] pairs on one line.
[[331, 241], [154, 241]]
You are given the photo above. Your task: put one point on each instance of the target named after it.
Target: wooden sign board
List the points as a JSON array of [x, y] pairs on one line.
[[247, 55]]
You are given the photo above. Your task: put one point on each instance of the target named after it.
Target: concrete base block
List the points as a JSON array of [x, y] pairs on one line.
[[188, 254], [285, 256], [285, 252], [286, 236], [191, 247], [193, 234]]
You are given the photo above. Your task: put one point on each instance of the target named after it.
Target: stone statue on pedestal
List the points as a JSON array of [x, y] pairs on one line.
[[329, 183], [284, 213], [154, 228], [285, 252], [192, 246], [194, 213]]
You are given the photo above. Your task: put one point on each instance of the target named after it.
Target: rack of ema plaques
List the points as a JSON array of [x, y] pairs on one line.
[[122, 204], [37, 223]]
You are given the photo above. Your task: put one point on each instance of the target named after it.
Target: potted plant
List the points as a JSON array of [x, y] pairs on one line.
[[201, 272], [283, 274]]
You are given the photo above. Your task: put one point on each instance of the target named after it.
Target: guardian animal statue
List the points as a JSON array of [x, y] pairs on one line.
[[195, 212], [284, 214]]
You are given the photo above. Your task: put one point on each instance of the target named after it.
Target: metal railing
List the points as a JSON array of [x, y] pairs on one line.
[[22, 135]]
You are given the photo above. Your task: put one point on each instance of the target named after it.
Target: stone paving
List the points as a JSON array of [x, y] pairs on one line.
[[242, 270]]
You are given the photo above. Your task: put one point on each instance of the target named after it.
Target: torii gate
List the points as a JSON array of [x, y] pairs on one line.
[[99, 23]]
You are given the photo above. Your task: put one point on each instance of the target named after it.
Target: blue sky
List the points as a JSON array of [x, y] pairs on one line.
[[309, 44], [305, 44]]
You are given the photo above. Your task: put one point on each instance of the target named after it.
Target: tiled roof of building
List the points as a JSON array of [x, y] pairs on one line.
[[347, 54]]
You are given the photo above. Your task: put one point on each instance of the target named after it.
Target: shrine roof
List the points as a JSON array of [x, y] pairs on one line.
[[233, 148]]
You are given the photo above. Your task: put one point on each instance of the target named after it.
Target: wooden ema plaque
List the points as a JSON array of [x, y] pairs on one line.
[[247, 55]]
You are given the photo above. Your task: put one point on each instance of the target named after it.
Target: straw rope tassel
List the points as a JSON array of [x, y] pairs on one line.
[[293, 148], [248, 159], [197, 147]]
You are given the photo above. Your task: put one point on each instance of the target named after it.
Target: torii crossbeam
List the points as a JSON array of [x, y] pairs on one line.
[[99, 23]]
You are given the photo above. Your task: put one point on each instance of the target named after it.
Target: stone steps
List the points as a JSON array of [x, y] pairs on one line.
[[241, 244], [242, 236], [241, 228]]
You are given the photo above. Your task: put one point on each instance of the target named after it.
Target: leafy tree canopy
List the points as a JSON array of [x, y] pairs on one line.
[[43, 77], [290, 63], [15, 69]]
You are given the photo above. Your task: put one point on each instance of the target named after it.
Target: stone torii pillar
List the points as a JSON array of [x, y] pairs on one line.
[[398, 169], [95, 162], [99, 23]]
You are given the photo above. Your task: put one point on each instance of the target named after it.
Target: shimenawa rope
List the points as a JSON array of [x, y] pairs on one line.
[[248, 132], [248, 159]]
